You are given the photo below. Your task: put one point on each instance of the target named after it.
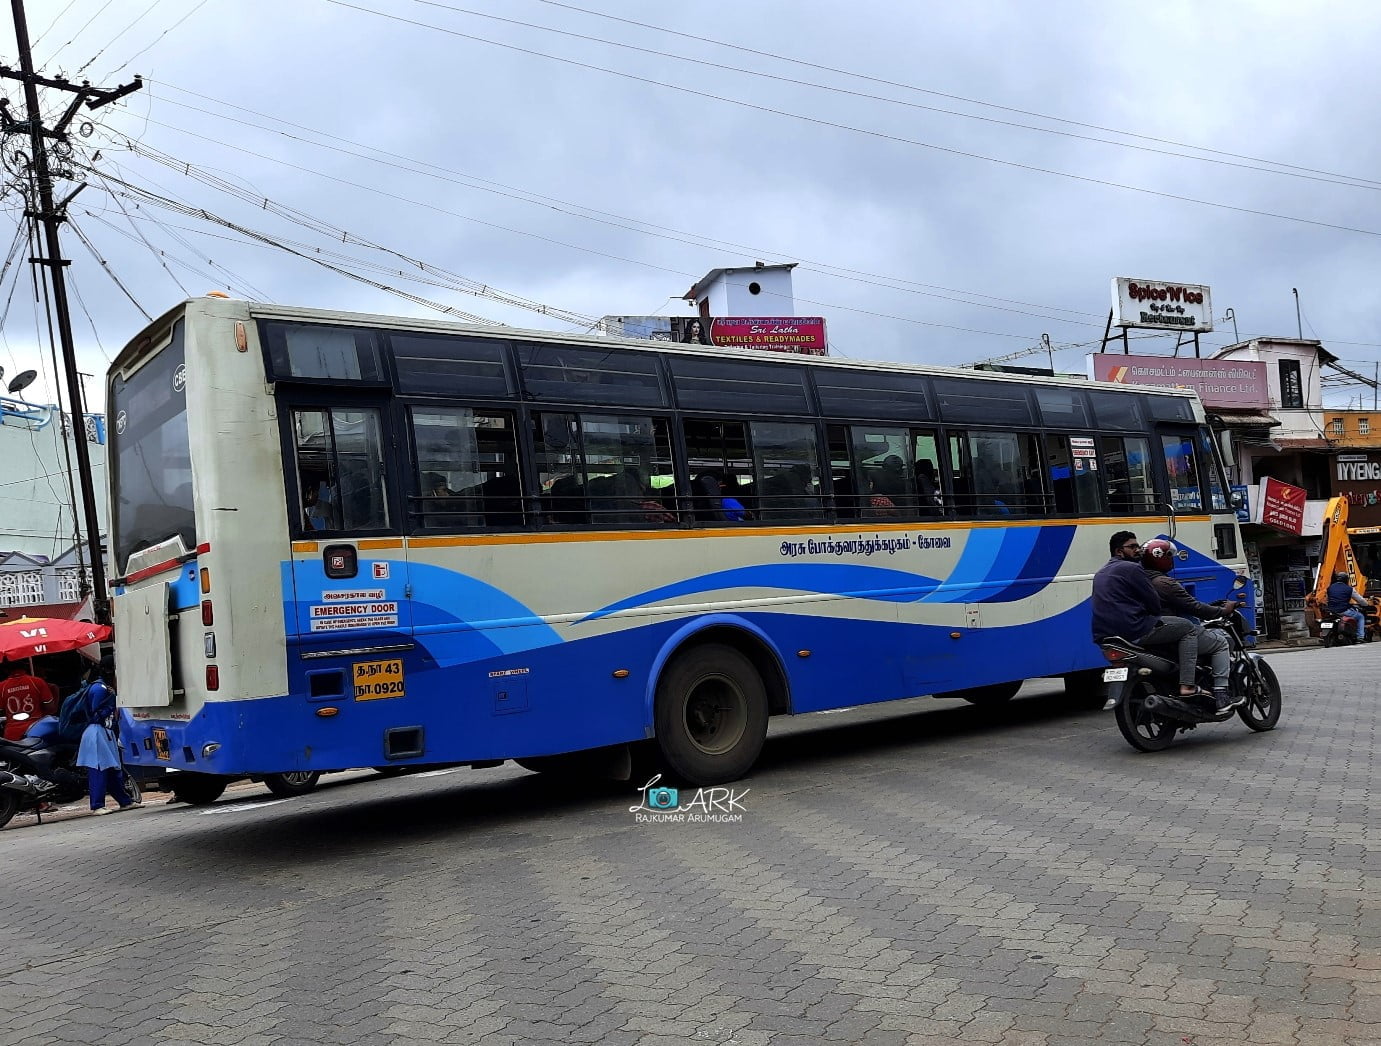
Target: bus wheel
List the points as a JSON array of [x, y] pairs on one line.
[[293, 783], [986, 696], [711, 715], [196, 789]]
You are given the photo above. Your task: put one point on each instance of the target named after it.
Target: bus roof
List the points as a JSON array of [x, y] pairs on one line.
[[243, 309]]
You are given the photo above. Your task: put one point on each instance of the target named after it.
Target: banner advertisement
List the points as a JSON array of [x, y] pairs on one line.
[[802, 334], [1282, 506], [1234, 384]]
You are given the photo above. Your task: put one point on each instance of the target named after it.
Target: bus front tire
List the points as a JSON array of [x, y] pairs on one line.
[[711, 715], [985, 696], [196, 789], [292, 784]]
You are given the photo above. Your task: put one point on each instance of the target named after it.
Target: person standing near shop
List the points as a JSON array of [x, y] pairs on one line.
[[99, 752], [21, 692]]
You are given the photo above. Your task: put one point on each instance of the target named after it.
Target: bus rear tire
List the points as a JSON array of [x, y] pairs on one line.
[[292, 784], [196, 789], [986, 696], [710, 715]]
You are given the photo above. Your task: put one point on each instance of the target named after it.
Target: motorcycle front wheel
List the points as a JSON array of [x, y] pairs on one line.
[[1262, 710], [1144, 731]]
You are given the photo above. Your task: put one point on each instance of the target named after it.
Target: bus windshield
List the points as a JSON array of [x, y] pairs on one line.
[[152, 462]]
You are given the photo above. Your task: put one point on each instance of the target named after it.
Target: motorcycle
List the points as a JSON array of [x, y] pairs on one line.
[[1143, 688], [41, 753], [1337, 630]]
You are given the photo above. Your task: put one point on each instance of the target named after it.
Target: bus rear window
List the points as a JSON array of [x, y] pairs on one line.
[[152, 463]]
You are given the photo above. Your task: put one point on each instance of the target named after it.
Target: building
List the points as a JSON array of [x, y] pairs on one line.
[[1355, 474], [41, 559]]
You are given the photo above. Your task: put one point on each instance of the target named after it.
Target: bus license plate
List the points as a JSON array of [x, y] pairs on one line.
[[376, 680], [1114, 675]]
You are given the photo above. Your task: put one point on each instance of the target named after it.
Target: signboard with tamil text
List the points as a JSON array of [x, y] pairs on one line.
[[1282, 506], [1160, 305], [1238, 384]]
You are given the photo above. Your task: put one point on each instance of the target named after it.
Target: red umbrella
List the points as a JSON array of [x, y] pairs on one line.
[[31, 636]]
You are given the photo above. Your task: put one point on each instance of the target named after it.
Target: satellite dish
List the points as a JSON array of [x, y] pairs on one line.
[[22, 380]]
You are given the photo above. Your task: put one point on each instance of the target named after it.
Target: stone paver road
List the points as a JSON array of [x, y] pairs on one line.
[[923, 873]]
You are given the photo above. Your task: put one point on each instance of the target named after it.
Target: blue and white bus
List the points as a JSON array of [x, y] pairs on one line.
[[345, 540]]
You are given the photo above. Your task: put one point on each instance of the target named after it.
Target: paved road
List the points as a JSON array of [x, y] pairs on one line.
[[930, 873]]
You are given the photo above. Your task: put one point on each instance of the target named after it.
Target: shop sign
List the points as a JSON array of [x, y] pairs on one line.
[[1166, 306], [1219, 383], [1282, 506], [803, 334], [1357, 477]]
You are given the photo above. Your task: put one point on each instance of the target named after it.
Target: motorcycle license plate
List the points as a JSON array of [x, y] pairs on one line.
[[1114, 675], [1325, 626]]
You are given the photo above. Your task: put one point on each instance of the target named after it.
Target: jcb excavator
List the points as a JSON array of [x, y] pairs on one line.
[[1338, 558]]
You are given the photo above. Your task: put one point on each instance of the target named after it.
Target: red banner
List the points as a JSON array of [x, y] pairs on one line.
[[1282, 506], [803, 334]]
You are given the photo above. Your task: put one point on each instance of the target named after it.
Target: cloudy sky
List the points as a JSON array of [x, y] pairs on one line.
[[955, 180]]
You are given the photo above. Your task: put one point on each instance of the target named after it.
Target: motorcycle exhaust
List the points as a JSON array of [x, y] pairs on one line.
[[20, 783], [1171, 708]]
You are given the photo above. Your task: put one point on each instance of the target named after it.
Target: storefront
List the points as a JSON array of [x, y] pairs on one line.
[[1357, 477]]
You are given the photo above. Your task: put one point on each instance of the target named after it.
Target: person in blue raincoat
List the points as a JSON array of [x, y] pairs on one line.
[[99, 752]]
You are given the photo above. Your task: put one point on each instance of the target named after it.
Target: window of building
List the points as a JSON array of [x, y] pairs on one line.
[[21, 588], [69, 584], [1335, 427], [1291, 386], [1364, 426]]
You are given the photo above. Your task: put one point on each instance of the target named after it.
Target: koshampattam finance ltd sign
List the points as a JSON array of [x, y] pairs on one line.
[[1219, 383], [1164, 306]]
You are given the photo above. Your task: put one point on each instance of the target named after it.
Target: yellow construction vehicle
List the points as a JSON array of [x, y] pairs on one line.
[[1337, 557]]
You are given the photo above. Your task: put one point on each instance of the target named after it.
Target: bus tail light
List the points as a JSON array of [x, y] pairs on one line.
[[207, 617], [205, 580], [213, 677]]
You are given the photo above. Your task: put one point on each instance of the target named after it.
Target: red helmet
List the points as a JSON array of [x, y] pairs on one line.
[[1158, 554]]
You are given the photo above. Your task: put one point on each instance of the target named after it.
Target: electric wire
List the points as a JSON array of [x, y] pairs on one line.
[[85, 26], [899, 139], [108, 270], [55, 21], [1320, 177], [946, 95], [158, 38], [106, 46]]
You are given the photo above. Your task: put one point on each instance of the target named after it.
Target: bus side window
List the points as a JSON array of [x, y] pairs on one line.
[[560, 476], [340, 470], [718, 462], [888, 487], [467, 469], [1072, 462], [1006, 474], [930, 500], [1127, 475], [786, 463]]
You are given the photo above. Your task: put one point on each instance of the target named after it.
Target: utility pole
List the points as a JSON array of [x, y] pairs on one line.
[[51, 216]]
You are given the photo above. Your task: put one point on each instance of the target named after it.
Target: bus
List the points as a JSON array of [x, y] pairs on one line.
[[344, 540]]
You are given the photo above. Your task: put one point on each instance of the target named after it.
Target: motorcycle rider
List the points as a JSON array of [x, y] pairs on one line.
[[1344, 602], [1158, 559], [1126, 604]]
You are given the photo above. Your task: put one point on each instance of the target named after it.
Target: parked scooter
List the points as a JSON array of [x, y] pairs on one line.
[[1143, 688], [40, 754]]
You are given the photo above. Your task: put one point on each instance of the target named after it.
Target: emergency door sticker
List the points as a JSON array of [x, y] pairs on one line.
[[353, 608], [377, 680]]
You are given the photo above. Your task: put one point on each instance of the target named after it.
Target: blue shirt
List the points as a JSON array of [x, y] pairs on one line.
[[1124, 601]]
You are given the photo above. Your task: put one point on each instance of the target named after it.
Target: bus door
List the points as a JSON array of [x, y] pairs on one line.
[[350, 590]]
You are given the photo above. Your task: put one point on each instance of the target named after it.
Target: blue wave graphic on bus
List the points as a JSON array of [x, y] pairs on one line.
[[508, 625], [890, 586], [1004, 566], [998, 565]]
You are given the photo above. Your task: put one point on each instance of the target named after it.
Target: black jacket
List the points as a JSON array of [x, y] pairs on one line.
[[1124, 602]]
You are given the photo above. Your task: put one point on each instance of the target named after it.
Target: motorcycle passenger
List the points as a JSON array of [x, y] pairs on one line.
[[1344, 601], [1158, 559], [1126, 604]]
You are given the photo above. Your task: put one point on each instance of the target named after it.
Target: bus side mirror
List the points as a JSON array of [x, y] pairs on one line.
[[1236, 500]]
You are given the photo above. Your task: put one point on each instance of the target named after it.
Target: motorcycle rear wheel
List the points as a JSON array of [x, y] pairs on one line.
[[1144, 732], [9, 806], [1262, 710]]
